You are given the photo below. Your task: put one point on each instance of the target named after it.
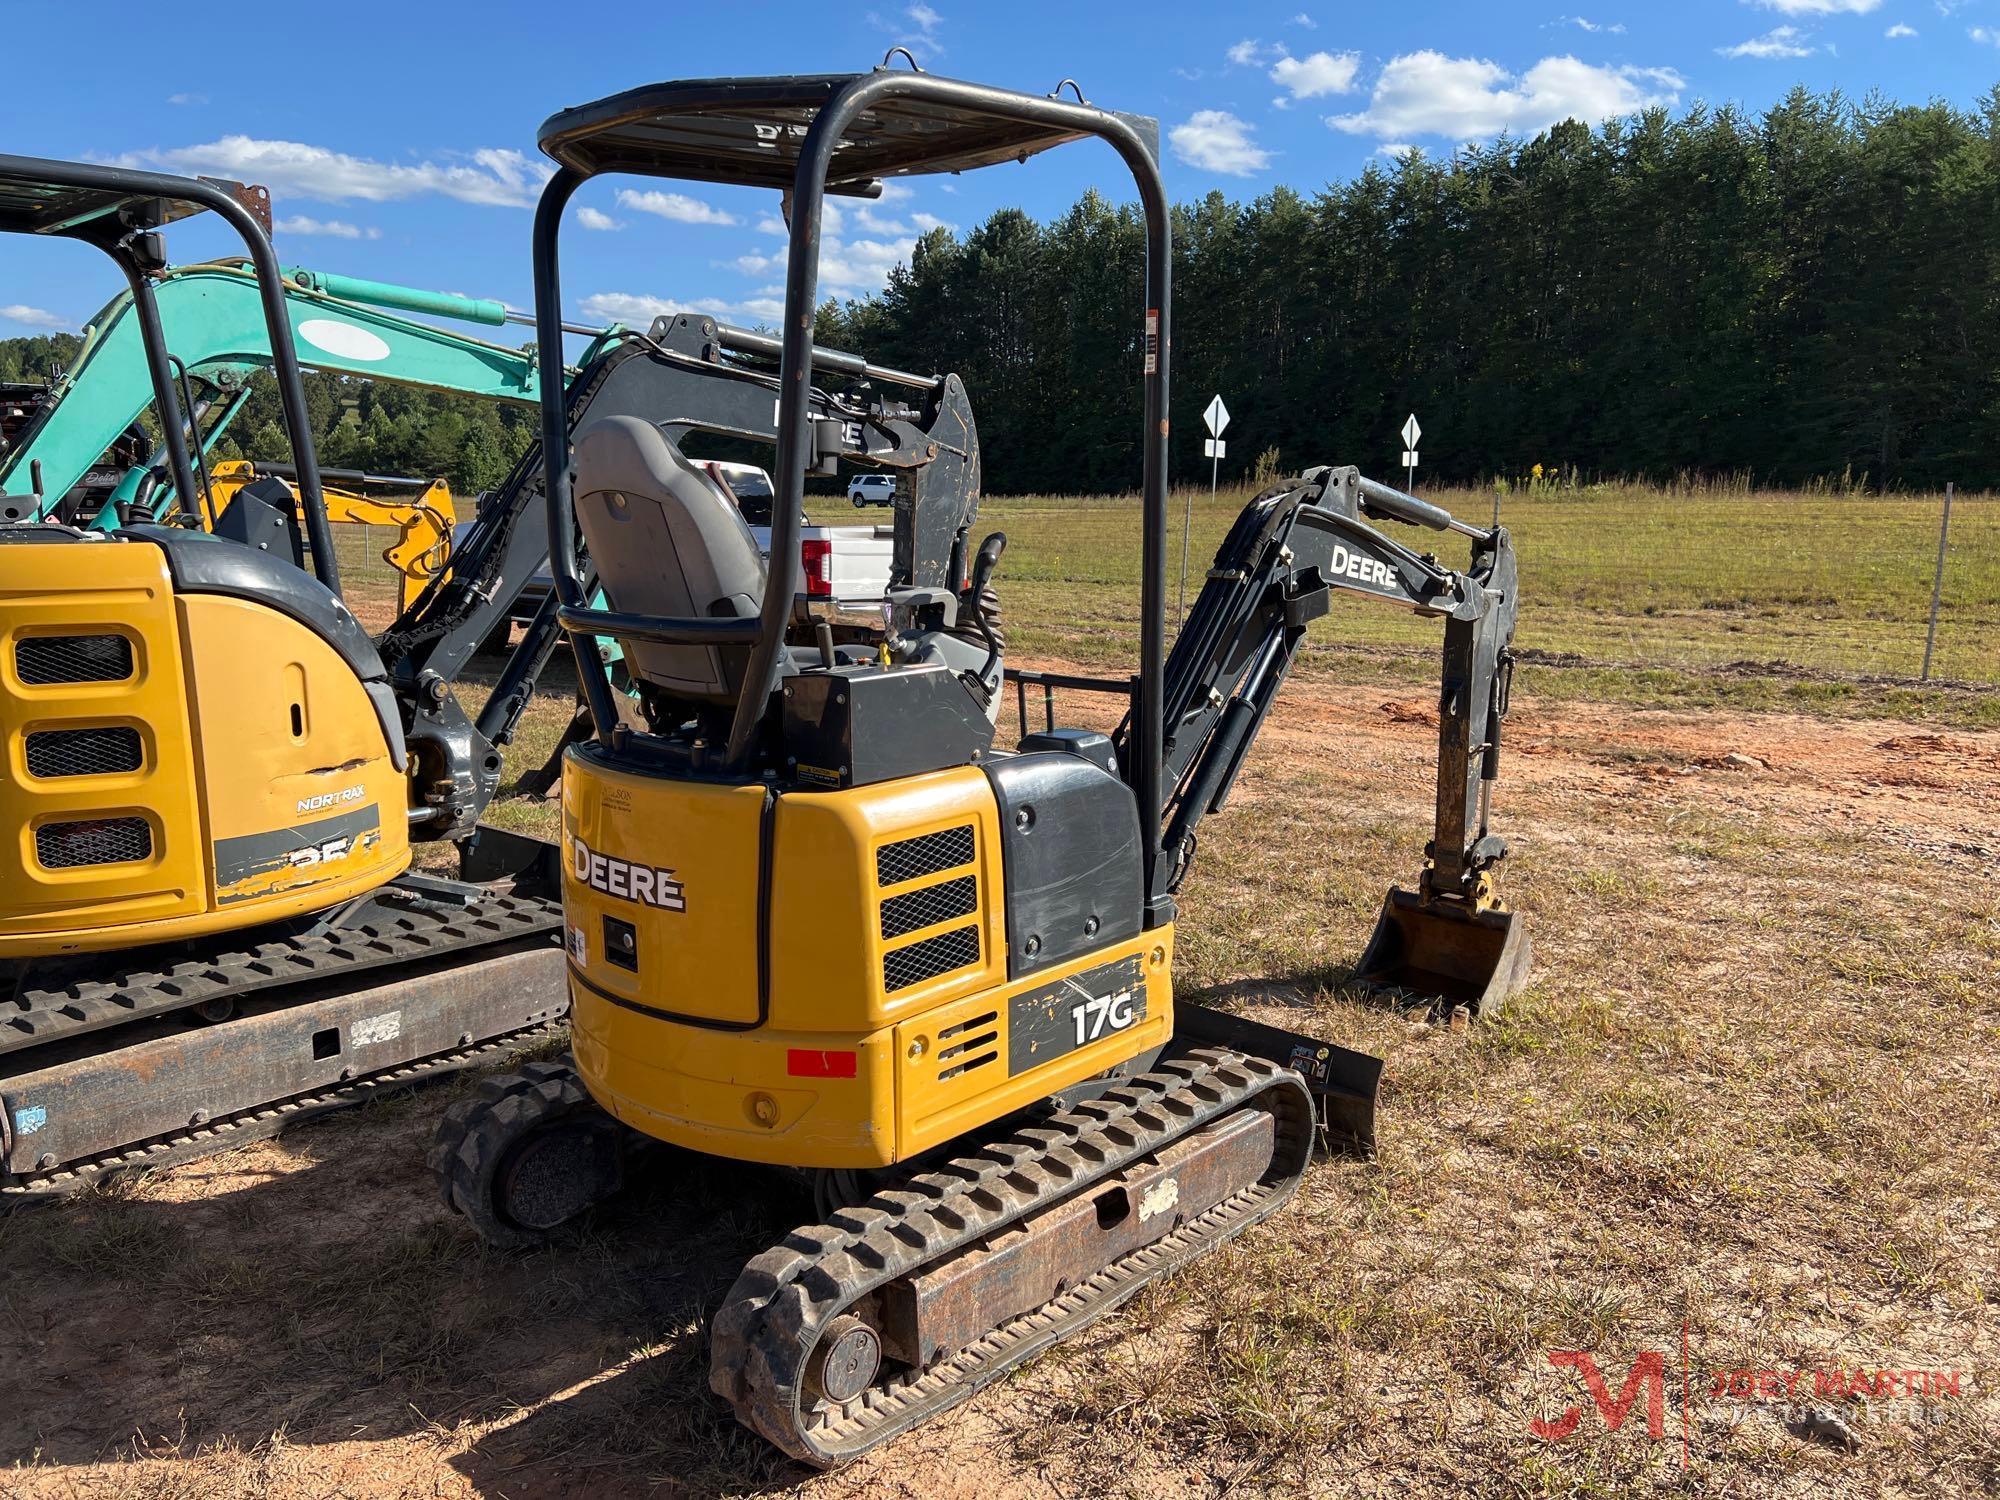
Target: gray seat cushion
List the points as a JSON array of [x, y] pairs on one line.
[[666, 542]]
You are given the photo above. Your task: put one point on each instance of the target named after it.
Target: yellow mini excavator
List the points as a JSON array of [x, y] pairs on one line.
[[421, 510], [209, 926], [817, 917]]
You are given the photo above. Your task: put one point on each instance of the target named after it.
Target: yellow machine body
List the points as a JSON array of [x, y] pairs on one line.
[[858, 1015], [175, 763], [423, 520]]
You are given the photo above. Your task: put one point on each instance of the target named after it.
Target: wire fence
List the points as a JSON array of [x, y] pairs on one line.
[[1638, 577], [1618, 575]]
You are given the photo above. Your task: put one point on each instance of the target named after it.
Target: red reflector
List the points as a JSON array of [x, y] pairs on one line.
[[818, 558], [802, 1063]]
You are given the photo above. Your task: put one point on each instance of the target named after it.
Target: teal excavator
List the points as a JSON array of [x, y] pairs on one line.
[[212, 318]]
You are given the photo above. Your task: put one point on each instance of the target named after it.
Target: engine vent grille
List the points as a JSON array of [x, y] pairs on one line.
[[930, 958], [971, 1043], [94, 841], [45, 660], [909, 859], [930, 905], [84, 752]]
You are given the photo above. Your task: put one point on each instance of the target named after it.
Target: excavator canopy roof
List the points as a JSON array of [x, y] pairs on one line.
[[34, 200], [750, 131], [31, 206]]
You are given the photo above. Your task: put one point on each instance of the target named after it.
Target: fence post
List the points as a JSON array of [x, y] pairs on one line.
[[1937, 586]]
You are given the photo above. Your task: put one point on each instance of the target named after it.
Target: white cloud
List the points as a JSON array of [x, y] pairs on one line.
[[505, 178], [637, 309], [859, 245], [1897, 32], [35, 317], [1249, 52], [596, 218], [185, 99], [847, 268], [1584, 23], [1819, 7], [917, 27], [1985, 35], [1784, 41], [1322, 73], [675, 206], [1394, 150], [331, 228], [1216, 141], [1304, 22], [1468, 99]]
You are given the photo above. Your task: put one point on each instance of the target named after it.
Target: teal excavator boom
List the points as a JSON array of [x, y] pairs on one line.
[[213, 321]]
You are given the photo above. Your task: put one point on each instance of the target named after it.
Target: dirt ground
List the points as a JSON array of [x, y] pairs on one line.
[[1745, 1117]]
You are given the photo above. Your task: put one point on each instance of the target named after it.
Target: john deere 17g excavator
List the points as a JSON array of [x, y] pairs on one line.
[[818, 917]]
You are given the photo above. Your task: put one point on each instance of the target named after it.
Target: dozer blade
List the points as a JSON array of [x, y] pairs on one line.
[[1345, 1084], [1442, 955]]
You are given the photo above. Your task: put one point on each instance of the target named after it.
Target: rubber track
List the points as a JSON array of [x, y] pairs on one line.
[[475, 1134], [262, 1121], [774, 1314], [40, 1016]]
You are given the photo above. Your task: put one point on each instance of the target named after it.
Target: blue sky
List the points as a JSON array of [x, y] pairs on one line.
[[399, 141]]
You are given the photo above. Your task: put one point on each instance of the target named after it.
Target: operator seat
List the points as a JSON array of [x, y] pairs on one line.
[[666, 541]]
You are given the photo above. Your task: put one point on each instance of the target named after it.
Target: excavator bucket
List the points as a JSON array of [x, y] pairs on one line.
[[1441, 955]]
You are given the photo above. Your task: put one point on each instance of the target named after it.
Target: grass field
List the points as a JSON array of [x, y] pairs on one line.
[[1631, 594], [1744, 1118], [1702, 596]]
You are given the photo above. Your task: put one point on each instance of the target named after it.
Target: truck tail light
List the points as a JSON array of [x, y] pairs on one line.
[[818, 557]]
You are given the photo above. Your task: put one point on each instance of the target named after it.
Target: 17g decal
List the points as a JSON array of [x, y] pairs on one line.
[[1094, 1015]]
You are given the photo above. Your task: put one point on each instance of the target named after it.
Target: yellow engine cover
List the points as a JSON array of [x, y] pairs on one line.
[[819, 979], [175, 764]]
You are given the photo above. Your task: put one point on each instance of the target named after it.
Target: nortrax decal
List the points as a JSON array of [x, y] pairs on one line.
[[646, 884], [320, 801], [1362, 568]]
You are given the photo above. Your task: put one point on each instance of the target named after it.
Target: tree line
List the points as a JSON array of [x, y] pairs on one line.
[[1801, 295]]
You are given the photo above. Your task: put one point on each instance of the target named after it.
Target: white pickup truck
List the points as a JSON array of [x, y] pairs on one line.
[[845, 566]]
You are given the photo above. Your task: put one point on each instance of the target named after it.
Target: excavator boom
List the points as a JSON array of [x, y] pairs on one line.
[[212, 317], [1294, 546]]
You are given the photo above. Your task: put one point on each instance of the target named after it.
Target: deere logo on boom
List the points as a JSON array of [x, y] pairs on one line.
[[646, 884], [1362, 568]]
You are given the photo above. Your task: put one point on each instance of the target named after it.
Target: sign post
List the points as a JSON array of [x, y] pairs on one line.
[[1937, 585], [1216, 417], [1411, 432]]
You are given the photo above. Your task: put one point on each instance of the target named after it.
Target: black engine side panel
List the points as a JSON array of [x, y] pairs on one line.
[[1070, 839]]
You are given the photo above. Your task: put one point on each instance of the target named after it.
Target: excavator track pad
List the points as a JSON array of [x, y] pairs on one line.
[[855, 1330]]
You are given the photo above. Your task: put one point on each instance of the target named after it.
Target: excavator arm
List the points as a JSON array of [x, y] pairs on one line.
[[421, 510], [1288, 553], [214, 322]]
